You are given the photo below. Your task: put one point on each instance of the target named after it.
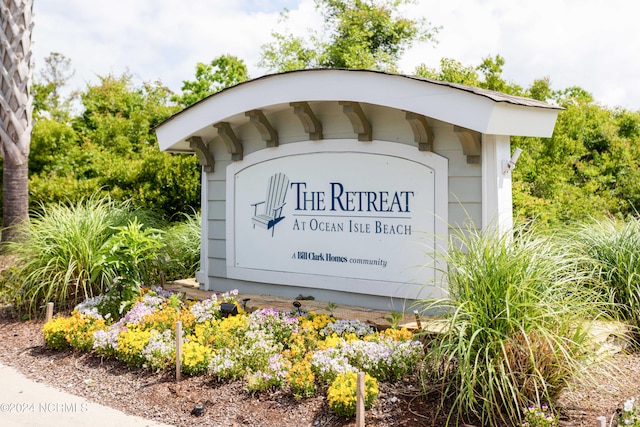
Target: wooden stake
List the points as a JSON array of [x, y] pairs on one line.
[[360, 391], [418, 323], [49, 314], [178, 351], [601, 422]]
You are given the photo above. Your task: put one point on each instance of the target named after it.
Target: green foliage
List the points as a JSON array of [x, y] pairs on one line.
[[455, 72], [541, 90], [76, 251], [48, 102], [131, 254], [450, 71], [50, 140], [60, 261], [514, 326], [111, 150], [610, 252], [181, 253], [222, 72], [358, 34], [289, 53], [119, 117], [491, 68], [588, 168]]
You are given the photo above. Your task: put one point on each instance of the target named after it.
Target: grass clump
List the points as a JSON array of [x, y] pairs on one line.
[[181, 248], [515, 329], [77, 251], [610, 252], [60, 259]]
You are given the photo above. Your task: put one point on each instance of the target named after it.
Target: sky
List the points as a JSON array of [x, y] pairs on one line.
[[593, 44]]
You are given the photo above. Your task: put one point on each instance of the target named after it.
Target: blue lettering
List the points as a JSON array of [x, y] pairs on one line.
[[335, 198], [351, 201]]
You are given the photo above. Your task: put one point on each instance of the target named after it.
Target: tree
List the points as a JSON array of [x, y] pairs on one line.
[[119, 117], [222, 72], [111, 149], [491, 68], [47, 98], [358, 34], [450, 71], [541, 90], [487, 75], [590, 167], [16, 21]]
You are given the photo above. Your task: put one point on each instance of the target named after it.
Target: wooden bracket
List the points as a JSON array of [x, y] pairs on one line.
[[358, 120], [267, 132], [471, 146], [310, 122], [234, 147], [422, 133], [202, 151]]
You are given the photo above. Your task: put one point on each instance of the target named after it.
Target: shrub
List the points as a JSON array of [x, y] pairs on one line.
[[131, 342], [225, 365], [130, 253], [80, 330], [278, 325], [384, 359], [273, 374], [160, 351], [515, 330]]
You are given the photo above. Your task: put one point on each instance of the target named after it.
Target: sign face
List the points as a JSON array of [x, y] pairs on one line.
[[335, 214]]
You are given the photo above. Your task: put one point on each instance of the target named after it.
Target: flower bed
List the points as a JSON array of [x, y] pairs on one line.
[[300, 353]]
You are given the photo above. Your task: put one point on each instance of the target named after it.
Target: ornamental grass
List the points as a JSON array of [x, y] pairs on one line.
[[516, 320], [76, 251], [609, 251]]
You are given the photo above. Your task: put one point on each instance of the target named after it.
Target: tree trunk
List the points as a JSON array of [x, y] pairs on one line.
[[16, 24]]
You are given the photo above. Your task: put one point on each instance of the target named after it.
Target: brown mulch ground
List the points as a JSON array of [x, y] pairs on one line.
[[159, 397]]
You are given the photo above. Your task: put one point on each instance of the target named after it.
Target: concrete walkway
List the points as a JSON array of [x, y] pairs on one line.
[[26, 403]]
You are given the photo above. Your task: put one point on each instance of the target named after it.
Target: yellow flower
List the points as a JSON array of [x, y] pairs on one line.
[[75, 331], [195, 357], [341, 395], [301, 379], [131, 342]]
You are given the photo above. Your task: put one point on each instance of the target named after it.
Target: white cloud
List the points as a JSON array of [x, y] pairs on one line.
[[592, 43]]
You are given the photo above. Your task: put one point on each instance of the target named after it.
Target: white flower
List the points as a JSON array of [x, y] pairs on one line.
[[628, 405]]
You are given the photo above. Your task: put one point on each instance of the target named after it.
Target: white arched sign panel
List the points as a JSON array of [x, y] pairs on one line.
[[341, 215]]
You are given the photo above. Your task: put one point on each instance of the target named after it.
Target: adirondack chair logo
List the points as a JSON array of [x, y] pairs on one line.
[[272, 205]]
